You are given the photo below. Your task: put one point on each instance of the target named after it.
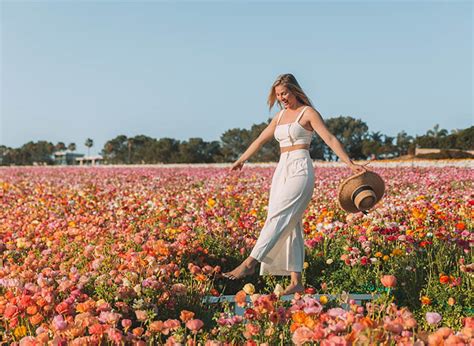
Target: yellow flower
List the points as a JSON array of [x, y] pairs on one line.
[[305, 265], [211, 202], [323, 300], [385, 258], [249, 289], [20, 331]]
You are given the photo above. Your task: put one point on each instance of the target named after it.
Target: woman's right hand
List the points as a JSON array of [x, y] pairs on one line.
[[237, 165]]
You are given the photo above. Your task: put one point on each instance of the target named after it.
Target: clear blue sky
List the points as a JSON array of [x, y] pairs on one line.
[[77, 69]]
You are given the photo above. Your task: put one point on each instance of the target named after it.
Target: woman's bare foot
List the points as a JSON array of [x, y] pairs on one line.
[[241, 271], [292, 288]]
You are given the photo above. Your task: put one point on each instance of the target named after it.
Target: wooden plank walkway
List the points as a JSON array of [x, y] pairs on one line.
[[358, 298]]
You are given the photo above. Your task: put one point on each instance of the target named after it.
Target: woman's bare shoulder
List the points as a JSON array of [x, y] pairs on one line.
[[312, 112]]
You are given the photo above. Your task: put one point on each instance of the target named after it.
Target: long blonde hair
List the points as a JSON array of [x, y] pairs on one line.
[[289, 81]]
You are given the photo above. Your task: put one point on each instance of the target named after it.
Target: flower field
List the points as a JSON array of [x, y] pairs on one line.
[[125, 256]]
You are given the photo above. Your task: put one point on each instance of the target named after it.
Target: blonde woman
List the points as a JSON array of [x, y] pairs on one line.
[[280, 245]]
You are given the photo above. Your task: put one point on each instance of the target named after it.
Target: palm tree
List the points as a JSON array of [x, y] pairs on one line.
[[436, 132], [89, 144]]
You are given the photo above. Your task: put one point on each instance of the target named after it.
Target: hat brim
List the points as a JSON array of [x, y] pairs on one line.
[[350, 184]]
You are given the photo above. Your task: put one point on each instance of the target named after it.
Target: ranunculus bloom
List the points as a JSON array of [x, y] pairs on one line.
[[186, 315], [194, 325], [249, 289], [240, 298], [389, 281], [141, 315], [156, 326], [10, 311], [433, 317], [126, 323], [302, 335]]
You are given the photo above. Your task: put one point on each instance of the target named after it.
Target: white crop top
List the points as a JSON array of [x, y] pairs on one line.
[[292, 133]]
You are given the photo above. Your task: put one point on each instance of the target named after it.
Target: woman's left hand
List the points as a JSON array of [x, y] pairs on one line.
[[357, 168]]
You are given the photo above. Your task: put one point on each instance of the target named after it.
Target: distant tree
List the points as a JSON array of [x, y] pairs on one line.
[[196, 150], [388, 147], [372, 144], [89, 144], [465, 139], [436, 132], [270, 151], [166, 150], [60, 146], [115, 151], [234, 142], [350, 132], [40, 152], [72, 146], [403, 142], [141, 149], [317, 147]]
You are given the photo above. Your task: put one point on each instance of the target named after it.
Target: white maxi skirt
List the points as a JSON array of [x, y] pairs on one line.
[[280, 245]]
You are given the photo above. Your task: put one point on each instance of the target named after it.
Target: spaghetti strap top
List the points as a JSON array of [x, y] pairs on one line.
[[292, 133]]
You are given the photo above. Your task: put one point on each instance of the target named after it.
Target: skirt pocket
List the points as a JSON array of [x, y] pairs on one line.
[[299, 167]]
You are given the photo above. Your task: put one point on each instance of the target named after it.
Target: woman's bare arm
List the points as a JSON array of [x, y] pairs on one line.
[[320, 128]]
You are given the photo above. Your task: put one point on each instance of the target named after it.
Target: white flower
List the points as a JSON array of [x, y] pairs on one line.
[[329, 261], [278, 290]]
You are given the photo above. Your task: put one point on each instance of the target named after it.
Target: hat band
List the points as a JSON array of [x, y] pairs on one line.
[[359, 190]]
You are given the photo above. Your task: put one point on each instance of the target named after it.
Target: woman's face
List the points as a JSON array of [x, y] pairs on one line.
[[285, 96]]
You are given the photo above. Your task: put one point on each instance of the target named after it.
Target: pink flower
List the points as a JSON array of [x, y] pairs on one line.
[[141, 315], [334, 340], [126, 323], [302, 335], [194, 325], [11, 311], [433, 317], [59, 322], [336, 312], [115, 335]]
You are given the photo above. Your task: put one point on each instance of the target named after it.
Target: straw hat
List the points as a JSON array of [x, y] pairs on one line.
[[361, 192]]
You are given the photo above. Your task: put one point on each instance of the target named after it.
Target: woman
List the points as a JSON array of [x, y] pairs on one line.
[[280, 246]]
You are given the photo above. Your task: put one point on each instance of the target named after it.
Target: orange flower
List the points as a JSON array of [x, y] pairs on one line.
[[186, 315], [138, 331], [309, 322], [31, 310], [83, 307], [299, 317], [425, 300], [156, 326], [41, 302], [294, 326], [461, 226], [389, 281], [240, 298], [444, 279], [36, 319], [201, 277]]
